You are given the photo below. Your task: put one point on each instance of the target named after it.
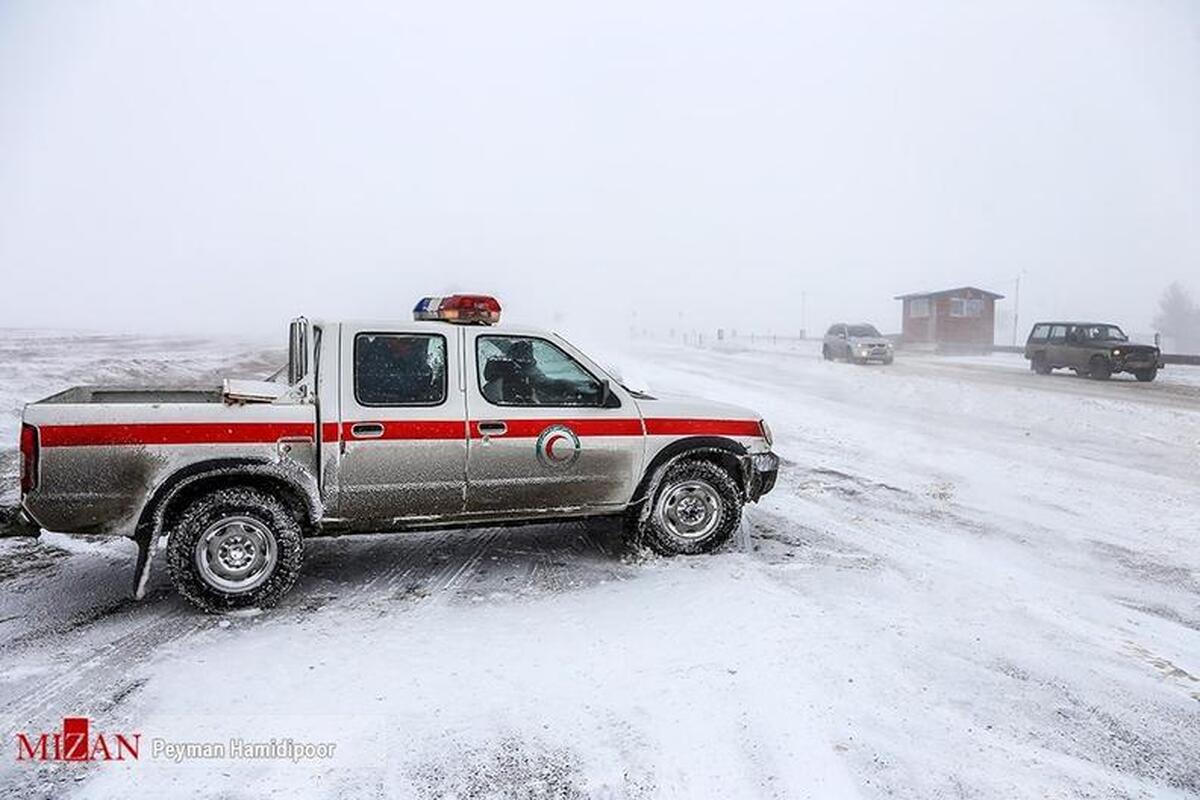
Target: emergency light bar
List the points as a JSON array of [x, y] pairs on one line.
[[476, 309]]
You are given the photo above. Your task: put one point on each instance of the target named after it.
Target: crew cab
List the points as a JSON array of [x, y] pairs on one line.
[[1095, 349], [446, 421]]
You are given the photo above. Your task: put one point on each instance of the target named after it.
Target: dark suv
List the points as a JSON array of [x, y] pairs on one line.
[[1095, 349]]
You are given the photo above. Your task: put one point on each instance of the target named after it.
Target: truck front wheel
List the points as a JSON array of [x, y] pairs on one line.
[[1099, 369], [1146, 375], [234, 548], [696, 509]]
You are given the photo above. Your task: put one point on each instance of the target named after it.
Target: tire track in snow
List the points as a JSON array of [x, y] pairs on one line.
[[100, 679]]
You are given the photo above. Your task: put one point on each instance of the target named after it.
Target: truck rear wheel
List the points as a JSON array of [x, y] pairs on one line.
[[1039, 364], [235, 548], [696, 509]]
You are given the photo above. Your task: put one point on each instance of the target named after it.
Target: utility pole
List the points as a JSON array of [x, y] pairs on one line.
[[1016, 310], [803, 314]]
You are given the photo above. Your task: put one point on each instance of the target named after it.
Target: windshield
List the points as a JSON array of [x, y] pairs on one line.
[[1103, 333], [861, 330]]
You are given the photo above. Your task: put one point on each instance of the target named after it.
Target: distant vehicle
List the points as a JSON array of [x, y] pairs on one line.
[[385, 426], [857, 343], [1095, 349]]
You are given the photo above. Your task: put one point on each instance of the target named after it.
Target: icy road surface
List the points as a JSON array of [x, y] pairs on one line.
[[970, 582]]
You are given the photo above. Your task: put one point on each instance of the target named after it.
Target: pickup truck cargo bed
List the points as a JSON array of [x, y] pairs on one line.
[[119, 394]]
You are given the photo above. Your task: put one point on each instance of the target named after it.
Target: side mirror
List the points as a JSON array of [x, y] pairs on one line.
[[607, 398], [297, 350]]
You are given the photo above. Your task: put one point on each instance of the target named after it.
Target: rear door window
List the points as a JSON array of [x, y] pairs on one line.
[[1058, 334], [399, 369], [1040, 333]]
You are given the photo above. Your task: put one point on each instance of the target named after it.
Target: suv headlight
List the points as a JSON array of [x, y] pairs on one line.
[[1116, 351]]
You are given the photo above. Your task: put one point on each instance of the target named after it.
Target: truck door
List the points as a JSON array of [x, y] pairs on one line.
[[547, 433], [403, 426]]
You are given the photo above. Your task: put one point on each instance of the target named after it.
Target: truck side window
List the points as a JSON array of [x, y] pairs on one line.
[[528, 371], [1058, 334], [399, 369], [1040, 333]]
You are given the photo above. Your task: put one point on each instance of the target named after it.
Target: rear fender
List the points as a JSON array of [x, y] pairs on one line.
[[296, 486]]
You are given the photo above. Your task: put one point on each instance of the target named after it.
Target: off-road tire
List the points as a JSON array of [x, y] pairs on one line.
[[663, 540], [210, 509], [1099, 369], [1040, 365], [1146, 375]]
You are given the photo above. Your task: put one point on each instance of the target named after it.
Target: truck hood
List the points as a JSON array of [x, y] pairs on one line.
[[677, 406], [1125, 345]]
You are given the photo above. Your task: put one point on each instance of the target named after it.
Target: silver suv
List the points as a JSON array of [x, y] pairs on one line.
[[859, 343]]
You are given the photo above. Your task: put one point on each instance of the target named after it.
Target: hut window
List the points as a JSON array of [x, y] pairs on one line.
[[966, 307], [918, 307]]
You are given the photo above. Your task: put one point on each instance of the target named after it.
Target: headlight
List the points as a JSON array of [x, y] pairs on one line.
[[1117, 352], [766, 432]]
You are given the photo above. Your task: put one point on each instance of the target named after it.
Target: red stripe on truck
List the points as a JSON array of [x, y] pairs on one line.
[[150, 433], [670, 426], [169, 433]]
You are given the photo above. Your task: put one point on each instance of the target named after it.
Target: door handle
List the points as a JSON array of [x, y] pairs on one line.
[[366, 430], [492, 428]]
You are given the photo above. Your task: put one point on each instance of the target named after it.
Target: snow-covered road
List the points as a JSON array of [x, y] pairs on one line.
[[970, 582]]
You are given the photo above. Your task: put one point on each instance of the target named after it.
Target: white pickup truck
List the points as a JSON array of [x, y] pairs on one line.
[[450, 420]]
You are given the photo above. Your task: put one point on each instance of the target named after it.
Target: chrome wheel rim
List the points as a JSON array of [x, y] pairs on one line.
[[689, 510], [236, 554]]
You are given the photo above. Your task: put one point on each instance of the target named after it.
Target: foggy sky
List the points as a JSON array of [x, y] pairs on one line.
[[224, 166]]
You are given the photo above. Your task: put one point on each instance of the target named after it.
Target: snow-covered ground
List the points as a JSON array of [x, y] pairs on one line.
[[971, 581]]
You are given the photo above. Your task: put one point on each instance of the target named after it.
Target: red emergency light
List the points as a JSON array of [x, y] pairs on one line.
[[475, 309]]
